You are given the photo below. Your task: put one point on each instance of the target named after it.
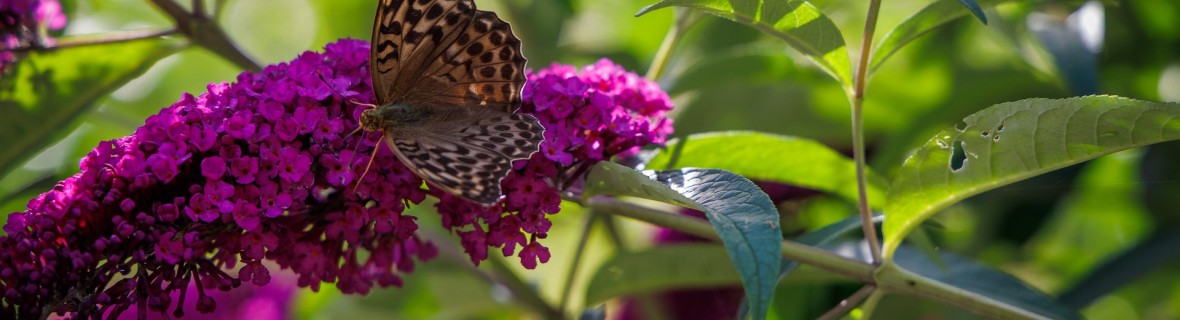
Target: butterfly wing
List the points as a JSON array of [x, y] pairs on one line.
[[445, 52], [468, 161]]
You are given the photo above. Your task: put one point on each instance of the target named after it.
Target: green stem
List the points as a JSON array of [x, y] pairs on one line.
[[96, 39], [500, 275], [206, 33], [804, 254], [579, 253], [671, 39], [858, 139], [522, 291], [849, 303]]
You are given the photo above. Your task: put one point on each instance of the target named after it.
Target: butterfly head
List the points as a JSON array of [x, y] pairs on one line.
[[370, 120]]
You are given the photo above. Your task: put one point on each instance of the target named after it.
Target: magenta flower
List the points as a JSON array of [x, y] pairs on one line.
[[22, 23], [263, 169]]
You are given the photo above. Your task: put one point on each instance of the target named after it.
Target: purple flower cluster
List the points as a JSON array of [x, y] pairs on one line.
[[23, 23], [589, 116], [264, 169], [249, 171]]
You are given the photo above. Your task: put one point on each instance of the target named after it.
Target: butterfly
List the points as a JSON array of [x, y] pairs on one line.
[[447, 78]]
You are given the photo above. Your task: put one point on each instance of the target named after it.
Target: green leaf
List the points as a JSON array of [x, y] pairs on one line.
[[978, 282], [769, 157], [47, 91], [748, 64], [1100, 217], [929, 18], [660, 268], [743, 216], [796, 22], [1013, 141]]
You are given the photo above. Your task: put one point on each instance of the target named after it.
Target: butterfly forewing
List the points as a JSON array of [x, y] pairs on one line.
[[445, 52]]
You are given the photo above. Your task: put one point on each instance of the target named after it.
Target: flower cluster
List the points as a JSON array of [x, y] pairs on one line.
[[249, 171], [23, 22], [264, 169], [589, 116]]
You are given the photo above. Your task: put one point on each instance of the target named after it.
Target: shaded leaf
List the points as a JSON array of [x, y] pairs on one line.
[[769, 157], [928, 19], [1013, 141], [744, 218], [46, 92], [660, 268], [798, 23], [976, 280]]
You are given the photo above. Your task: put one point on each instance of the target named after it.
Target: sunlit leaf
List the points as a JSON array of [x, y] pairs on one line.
[[1013, 141], [743, 216], [798, 23], [769, 157], [48, 91]]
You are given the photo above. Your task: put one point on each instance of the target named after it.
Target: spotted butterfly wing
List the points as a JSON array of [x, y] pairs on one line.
[[470, 161], [456, 74], [430, 52]]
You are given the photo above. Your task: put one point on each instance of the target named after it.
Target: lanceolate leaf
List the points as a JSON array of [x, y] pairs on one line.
[[742, 215], [798, 23], [1012, 141], [47, 91], [770, 157], [929, 18]]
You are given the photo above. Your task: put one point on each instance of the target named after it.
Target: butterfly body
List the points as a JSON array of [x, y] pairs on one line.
[[447, 78]]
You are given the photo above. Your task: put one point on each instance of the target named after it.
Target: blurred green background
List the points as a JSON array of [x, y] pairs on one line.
[[1050, 231]]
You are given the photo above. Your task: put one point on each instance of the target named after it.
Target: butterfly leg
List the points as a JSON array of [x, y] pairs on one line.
[[371, 158]]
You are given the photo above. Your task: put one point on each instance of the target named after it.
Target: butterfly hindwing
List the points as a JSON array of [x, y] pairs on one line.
[[516, 136], [459, 167]]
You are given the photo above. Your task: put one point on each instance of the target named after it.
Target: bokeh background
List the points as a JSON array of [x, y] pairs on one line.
[[1052, 231]]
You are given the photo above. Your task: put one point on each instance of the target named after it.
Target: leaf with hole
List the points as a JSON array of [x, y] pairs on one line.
[[1013, 141], [798, 23], [743, 216]]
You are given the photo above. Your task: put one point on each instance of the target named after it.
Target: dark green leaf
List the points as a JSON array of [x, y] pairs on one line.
[[975, 9], [743, 216], [48, 91], [1013, 141], [981, 280], [798, 23], [769, 157]]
